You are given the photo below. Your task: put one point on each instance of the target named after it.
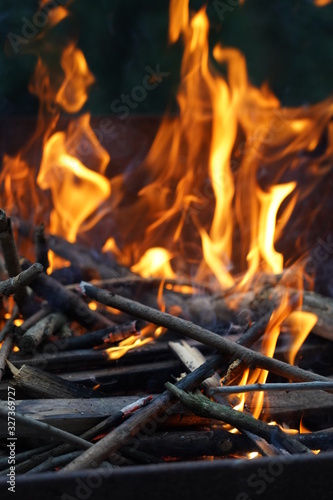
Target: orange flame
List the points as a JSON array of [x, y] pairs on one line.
[[300, 324], [77, 191], [322, 3]]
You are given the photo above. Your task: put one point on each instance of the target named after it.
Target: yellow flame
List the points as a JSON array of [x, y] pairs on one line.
[[322, 3], [77, 191], [73, 92], [178, 18], [300, 324], [154, 262], [126, 345]]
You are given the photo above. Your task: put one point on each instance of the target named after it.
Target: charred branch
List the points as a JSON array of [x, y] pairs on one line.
[[42, 247], [10, 254], [66, 301], [45, 327], [12, 285]]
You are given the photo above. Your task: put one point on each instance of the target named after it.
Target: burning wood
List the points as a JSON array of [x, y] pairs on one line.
[[99, 352]]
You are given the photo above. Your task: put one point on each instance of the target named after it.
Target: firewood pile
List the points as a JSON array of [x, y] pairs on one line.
[[109, 369]]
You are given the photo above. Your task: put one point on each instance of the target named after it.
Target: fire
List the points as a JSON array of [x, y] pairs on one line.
[[155, 262], [322, 3], [77, 191], [300, 324], [210, 202], [126, 345]]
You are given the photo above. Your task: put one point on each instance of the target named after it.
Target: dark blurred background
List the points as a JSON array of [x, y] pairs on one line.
[[287, 43]]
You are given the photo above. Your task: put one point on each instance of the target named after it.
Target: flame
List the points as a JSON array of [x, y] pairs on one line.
[[198, 187], [210, 200], [73, 162], [300, 324], [126, 345], [322, 3], [73, 94], [154, 262], [77, 191], [178, 19], [268, 345]]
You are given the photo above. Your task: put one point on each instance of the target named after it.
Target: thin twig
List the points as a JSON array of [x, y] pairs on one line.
[[42, 247], [203, 406], [191, 357], [10, 254], [12, 285], [298, 386], [53, 462], [66, 301], [124, 432], [249, 357], [149, 282]]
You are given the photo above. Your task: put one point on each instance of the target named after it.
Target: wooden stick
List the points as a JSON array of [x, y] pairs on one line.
[[65, 301], [53, 462], [205, 407], [115, 419], [299, 386], [178, 325], [10, 254], [123, 433], [192, 444], [12, 285], [43, 328], [41, 384], [141, 457], [34, 318], [42, 247], [84, 257], [192, 358], [78, 415], [216, 442], [4, 353], [147, 282], [25, 455], [105, 336], [255, 331], [46, 430]]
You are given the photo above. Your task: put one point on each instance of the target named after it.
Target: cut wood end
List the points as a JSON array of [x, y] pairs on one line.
[[83, 286], [12, 368], [38, 267]]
